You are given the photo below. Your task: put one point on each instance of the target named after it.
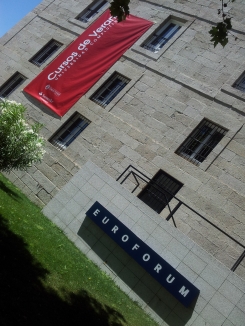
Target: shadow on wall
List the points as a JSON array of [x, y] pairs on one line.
[[8, 191], [25, 301], [41, 106], [134, 276]]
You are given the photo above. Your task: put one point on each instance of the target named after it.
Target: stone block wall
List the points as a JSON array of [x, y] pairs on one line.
[[222, 292], [166, 98]]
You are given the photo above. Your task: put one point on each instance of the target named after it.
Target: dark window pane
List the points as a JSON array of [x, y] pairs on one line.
[[161, 37], [69, 131], [208, 147], [45, 53], [241, 84], [159, 191], [111, 88], [16, 80], [201, 142], [92, 10], [165, 36]]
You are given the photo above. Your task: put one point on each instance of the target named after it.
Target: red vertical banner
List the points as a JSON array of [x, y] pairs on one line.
[[62, 83]]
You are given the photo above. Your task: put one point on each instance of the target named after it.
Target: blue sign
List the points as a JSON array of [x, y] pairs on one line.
[[154, 264]]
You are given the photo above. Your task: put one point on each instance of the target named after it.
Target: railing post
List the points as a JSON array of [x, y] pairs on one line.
[[146, 179], [123, 172], [173, 211], [237, 263]]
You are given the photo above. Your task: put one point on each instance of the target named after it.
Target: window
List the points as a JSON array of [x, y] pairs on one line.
[[240, 84], [201, 142], [109, 90], [69, 131], [92, 10], [159, 191], [161, 36], [11, 84], [45, 53]]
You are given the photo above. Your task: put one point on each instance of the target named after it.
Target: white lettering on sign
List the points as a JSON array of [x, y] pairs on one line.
[[169, 279], [57, 93], [45, 98], [102, 27], [146, 257], [82, 47], [105, 220], [115, 228], [158, 268], [125, 238], [136, 246], [142, 255], [53, 75], [184, 291], [96, 212]]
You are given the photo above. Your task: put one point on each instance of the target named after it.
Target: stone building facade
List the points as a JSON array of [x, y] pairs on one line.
[[177, 94]]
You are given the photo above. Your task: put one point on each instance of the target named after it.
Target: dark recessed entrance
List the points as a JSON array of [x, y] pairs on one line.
[[159, 191]]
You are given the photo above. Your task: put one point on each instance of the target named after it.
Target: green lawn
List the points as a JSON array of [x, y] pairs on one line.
[[45, 280]]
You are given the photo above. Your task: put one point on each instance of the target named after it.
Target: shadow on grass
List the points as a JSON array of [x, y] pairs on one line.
[[162, 302], [25, 301], [8, 191]]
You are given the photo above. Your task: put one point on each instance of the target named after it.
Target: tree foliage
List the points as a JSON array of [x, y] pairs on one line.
[[219, 33], [20, 144], [120, 9]]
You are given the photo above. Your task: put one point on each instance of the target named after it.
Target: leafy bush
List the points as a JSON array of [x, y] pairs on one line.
[[20, 144]]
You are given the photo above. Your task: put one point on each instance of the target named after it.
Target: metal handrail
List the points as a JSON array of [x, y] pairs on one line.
[[153, 185], [147, 179]]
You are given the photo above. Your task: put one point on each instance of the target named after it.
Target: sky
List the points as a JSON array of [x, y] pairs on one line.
[[12, 11]]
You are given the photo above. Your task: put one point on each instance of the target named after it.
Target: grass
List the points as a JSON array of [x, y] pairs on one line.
[[46, 280]]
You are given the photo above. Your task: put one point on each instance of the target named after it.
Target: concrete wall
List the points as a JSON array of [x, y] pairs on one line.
[[168, 95], [222, 293]]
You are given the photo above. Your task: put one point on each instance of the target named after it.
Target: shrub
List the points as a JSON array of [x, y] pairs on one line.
[[20, 144]]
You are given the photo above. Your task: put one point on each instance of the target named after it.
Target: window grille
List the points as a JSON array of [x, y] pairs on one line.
[[11, 84], [241, 84], [159, 191], [45, 53], [161, 37], [69, 131], [92, 10], [201, 142], [107, 92]]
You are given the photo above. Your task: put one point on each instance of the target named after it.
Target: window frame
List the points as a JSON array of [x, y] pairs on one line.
[[92, 7], [199, 150], [230, 86], [241, 80], [105, 86], [75, 132], [43, 51], [159, 33], [182, 20], [10, 81]]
